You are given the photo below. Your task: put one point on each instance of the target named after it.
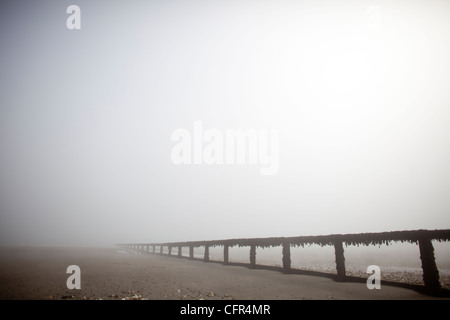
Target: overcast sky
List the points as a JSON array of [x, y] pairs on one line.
[[358, 91]]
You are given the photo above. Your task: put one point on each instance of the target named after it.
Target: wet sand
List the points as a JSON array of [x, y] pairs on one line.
[[108, 273]]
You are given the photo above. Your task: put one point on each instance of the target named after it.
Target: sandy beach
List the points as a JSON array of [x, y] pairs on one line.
[[108, 273]]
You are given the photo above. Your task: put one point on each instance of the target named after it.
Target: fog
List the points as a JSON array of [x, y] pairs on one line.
[[358, 92]]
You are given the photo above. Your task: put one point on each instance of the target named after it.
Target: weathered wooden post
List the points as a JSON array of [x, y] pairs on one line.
[[252, 256], [430, 270], [161, 247], [225, 254], [191, 251], [179, 251], [340, 260], [286, 257], [148, 248], [154, 248], [170, 250], [206, 256]]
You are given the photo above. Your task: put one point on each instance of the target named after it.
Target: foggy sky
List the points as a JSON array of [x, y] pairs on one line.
[[86, 118]]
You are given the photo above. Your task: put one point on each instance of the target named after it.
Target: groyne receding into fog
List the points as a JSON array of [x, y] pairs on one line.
[[423, 238]]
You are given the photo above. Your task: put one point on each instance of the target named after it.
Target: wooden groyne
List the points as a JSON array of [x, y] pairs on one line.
[[423, 238]]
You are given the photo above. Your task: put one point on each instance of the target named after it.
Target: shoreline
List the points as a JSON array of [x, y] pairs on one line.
[[39, 273], [410, 275]]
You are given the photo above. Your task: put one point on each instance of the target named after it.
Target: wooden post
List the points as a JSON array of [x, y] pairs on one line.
[[225, 254], [206, 256], [286, 257], [430, 270], [252, 256], [154, 248], [148, 248], [170, 250], [191, 252], [179, 251], [340, 260], [161, 249]]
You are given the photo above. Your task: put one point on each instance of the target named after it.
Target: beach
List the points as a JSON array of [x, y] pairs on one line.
[[39, 273]]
